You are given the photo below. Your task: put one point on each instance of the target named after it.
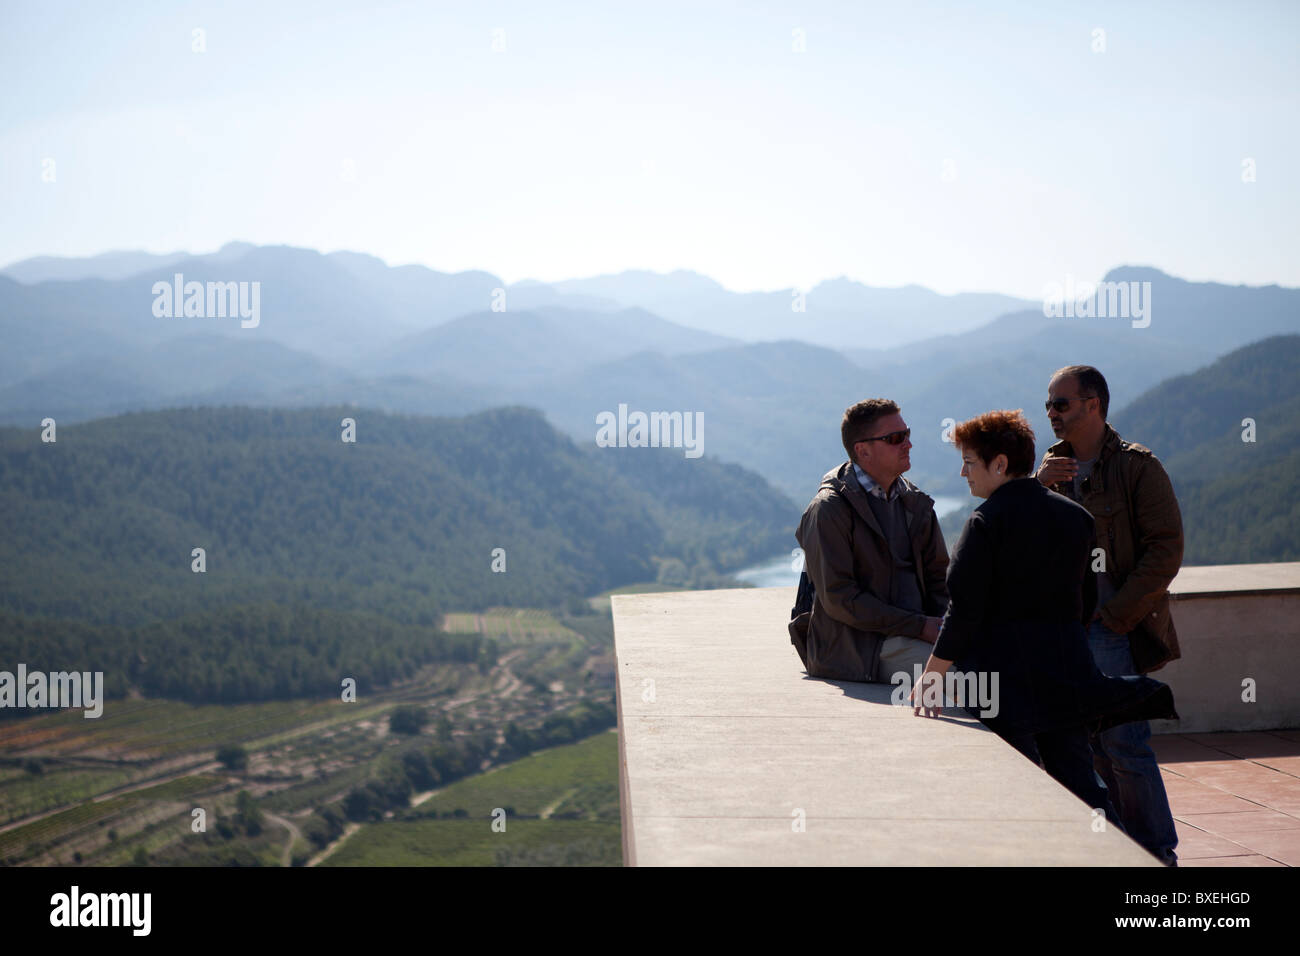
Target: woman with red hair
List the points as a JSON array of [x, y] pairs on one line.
[[1020, 593]]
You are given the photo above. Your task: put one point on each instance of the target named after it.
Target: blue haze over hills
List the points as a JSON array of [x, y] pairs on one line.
[[771, 382]]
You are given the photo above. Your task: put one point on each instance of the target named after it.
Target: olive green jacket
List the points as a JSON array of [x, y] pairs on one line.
[[1140, 530]]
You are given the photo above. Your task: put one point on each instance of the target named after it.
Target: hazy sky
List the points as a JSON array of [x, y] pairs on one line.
[[910, 142]]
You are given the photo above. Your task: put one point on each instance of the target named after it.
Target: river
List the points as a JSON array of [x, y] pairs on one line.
[[783, 570]]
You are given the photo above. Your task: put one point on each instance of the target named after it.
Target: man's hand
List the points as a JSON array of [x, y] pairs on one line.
[[930, 633], [1055, 470]]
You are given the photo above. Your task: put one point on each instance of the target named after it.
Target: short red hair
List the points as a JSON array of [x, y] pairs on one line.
[[1000, 433]]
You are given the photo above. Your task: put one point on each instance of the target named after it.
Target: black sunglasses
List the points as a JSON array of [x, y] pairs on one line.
[[893, 438], [1061, 404]]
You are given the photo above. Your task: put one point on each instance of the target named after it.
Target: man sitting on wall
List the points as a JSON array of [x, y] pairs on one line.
[[875, 555]]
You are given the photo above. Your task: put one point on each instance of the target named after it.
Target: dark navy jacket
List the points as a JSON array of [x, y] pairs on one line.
[[1019, 597]]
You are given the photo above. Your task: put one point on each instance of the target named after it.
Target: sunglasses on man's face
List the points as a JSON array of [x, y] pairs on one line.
[[893, 438], [1061, 404]]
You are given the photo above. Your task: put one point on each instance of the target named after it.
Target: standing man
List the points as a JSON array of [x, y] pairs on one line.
[[875, 555], [1140, 534]]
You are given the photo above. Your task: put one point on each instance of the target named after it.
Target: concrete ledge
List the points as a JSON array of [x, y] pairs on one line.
[[1235, 622], [724, 742], [1224, 580]]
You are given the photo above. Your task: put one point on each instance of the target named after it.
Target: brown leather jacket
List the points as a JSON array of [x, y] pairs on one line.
[[847, 558], [1140, 528]]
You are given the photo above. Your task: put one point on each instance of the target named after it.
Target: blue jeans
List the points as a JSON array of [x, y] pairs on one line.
[[1125, 761], [1066, 757]]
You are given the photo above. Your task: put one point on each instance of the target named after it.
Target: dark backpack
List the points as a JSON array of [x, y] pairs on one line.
[[800, 615]]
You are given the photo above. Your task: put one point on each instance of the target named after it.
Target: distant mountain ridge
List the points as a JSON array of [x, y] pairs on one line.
[[347, 328], [344, 309], [836, 313], [106, 265], [514, 347], [773, 407]]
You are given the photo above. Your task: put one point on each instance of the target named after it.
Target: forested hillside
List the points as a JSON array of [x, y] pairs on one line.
[[1229, 435], [325, 557]]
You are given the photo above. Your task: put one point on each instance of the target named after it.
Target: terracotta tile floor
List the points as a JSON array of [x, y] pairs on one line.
[[1235, 797]]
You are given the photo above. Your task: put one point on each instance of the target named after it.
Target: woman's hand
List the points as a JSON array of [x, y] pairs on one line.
[[930, 687]]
